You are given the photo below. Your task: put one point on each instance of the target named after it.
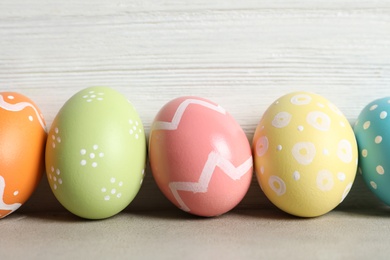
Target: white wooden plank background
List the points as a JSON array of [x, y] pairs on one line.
[[240, 54]]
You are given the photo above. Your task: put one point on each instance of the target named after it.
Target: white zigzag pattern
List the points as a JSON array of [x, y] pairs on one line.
[[3, 205], [214, 160], [180, 111], [20, 106]]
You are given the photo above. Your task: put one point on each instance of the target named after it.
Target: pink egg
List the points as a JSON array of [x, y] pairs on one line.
[[200, 157]]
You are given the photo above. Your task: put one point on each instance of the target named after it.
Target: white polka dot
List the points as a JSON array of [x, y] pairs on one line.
[[91, 91], [300, 99], [319, 120], [113, 191], [93, 96], [83, 151], [341, 176], [136, 122], [58, 171], [94, 164], [346, 191], [52, 169], [304, 152], [56, 130], [373, 107], [53, 137], [282, 119], [50, 176], [366, 125], [279, 147], [262, 169], [120, 184], [10, 97], [16, 193], [134, 128], [364, 152], [60, 181], [334, 109], [54, 178], [55, 186], [296, 175], [373, 185], [112, 180], [103, 189], [99, 98], [91, 155], [119, 195], [261, 146], [277, 185], [83, 162], [136, 136], [342, 124], [325, 151], [53, 145], [344, 151], [325, 180], [360, 170], [139, 130], [300, 128], [320, 105], [380, 169], [95, 146], [130, 121], [85, 96], [59, 139], [100, 93], [101, 155], [30, 118], [142, 180], [383, 115], [107, 197], [378, 139], [131, 131]]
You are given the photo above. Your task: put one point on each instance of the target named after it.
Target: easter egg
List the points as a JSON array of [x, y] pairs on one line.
[[200, 157], [305, 154], [22, 146], [95, 153], [372, 130]]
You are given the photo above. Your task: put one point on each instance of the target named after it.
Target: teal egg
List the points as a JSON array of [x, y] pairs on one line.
[[96, 153], [372, 130]]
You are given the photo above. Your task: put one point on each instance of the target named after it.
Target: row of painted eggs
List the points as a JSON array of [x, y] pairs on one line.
[[305, 153]]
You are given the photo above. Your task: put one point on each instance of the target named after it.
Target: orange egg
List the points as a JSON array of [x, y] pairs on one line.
[[22, 143]]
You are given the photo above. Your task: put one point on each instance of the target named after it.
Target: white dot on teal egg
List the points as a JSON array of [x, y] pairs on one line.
[[373, 185], [378, 139], [380, 170], [373, 107], [366, 125], [364, 152], [383, 115]]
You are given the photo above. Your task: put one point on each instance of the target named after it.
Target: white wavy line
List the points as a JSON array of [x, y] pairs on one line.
[[180, 111], [3, 205], [20, 106], [214, 160]]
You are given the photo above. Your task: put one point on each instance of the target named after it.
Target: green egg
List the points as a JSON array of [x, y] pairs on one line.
[[96, 153]]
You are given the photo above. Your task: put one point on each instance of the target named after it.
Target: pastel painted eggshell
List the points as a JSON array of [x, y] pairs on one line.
[[305, 154], [96, 153], [200, 157], [372, 130], [22, 146]]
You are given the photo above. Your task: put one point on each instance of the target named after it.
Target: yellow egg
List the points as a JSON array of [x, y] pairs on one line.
[[305, 154]]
